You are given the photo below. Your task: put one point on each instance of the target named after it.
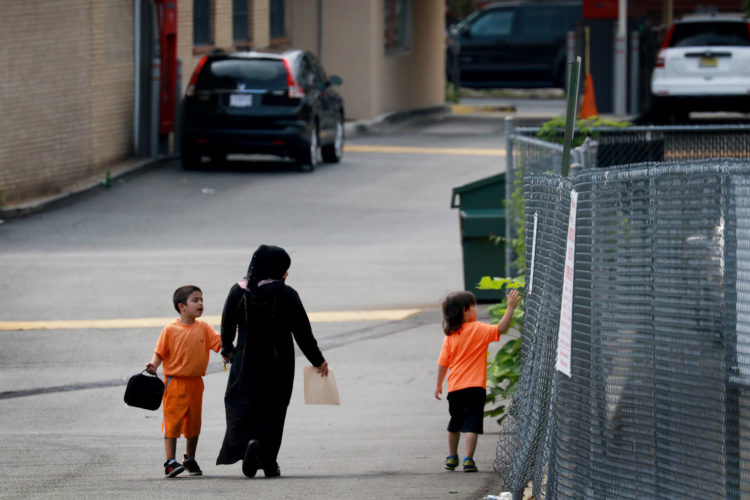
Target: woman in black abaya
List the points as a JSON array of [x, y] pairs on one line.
[[263, 313]]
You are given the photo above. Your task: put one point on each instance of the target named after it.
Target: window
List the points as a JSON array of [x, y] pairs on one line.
[[202, 23], [241, 31], [231, 74], [397, 25], [495, 23], [711, 34], [543, 23], [278, 19]]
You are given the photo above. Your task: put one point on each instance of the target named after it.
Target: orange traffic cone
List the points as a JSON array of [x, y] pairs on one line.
[[588, 109]]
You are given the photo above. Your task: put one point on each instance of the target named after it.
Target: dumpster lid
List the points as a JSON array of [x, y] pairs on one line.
[[472, 186]]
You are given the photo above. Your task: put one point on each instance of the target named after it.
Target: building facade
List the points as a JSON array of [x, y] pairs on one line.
[[84, 97]]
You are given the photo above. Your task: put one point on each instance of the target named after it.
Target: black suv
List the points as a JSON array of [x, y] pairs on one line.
[[514, 44], [258, 103]]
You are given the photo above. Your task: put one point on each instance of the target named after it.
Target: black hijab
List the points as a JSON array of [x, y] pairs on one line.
[[268, 263]]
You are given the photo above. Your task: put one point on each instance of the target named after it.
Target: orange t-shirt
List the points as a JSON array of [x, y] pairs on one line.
[[464, 353], [184, 348]]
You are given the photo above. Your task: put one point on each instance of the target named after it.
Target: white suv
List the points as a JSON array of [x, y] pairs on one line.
[[703, 65]]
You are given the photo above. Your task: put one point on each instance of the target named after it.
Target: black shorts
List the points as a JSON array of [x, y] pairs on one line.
[[466, 407]]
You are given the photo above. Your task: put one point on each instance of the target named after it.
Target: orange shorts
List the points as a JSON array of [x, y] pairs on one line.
[[183, 405]]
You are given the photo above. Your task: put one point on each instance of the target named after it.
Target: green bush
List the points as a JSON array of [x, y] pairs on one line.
[[554, 130]]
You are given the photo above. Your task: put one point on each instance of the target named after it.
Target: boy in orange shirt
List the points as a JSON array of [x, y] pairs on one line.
[[464, 357], [183, 347]]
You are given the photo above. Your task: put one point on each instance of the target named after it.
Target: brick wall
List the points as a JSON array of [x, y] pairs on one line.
[[66, 94]]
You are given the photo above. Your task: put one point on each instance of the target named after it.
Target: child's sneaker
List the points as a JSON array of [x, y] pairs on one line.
[[172, 468], [469, 465], [451, 462], [192, 466]]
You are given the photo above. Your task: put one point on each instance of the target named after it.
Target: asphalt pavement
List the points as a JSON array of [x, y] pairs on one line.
[[387, 439]]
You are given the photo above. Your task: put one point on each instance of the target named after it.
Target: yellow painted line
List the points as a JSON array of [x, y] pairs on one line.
[[465, 109], [105, 324], [361, 148]]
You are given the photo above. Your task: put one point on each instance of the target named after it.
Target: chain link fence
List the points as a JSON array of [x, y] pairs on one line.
[[608, 146], [657, 402]]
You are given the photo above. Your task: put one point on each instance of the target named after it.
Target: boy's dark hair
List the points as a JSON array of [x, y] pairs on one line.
[[181, 295], [454, 306]]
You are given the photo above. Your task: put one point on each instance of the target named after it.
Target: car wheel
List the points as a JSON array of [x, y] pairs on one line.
[[333, 153], [308, 158], [191, 159]]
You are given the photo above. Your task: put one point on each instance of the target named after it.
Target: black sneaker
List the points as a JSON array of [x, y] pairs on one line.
[[172, 468], [272, 471], [192, 466], [250, 462]]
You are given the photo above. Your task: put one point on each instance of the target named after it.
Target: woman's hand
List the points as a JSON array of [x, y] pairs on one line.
[[323, 369]]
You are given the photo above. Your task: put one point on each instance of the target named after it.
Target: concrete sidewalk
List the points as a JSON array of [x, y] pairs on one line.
[[387, 440]]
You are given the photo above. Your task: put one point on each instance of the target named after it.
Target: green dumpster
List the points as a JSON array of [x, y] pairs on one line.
[[482, 216]]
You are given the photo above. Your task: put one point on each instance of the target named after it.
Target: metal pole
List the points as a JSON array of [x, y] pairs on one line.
[[575, 77], [509, 188], [570, 54], [635, 72], [178, 109], [621, 62], [155, 100], [620, 74], [320, 30], [455, 71], [136, 77]]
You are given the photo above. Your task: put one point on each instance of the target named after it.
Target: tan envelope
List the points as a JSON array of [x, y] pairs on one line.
[[320, 390]]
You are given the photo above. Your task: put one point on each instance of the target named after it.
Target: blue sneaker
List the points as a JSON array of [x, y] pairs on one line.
[[451, 462], [469, 465]]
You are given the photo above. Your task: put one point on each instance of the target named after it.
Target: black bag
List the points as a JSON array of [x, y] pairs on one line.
[[144, 391]]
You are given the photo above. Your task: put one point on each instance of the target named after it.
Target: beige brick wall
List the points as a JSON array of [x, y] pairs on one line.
[[112, 82], [261, 24], [66, 94], [46, 119]]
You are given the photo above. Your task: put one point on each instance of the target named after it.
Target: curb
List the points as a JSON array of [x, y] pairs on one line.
[[379, 123], [45, 203]]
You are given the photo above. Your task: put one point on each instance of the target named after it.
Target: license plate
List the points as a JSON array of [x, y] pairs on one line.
[[240, 100], [708, 62]]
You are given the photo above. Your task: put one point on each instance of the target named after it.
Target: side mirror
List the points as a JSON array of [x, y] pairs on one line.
[[335, 80]]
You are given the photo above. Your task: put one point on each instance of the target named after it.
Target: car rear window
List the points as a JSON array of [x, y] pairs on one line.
[[712, 34], [250, 74]]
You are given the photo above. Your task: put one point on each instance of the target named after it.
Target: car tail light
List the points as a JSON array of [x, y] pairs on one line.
[[660, 59], [664, 46], [191, 86], [295, 91]]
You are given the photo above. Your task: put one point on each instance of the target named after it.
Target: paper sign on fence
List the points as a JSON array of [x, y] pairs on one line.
[[565, 334], [320, 390]]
